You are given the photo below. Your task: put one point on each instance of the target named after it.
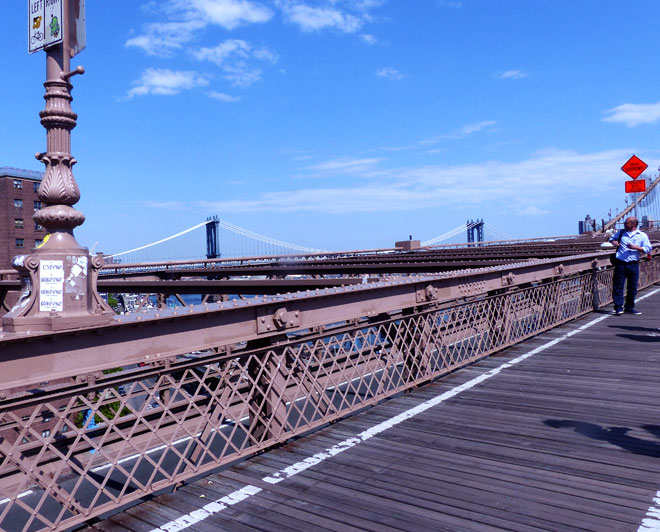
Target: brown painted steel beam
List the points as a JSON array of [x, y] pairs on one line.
[[159, 335]]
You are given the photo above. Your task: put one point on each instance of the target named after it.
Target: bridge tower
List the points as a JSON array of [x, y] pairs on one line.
[[473, 226], [212, 226]]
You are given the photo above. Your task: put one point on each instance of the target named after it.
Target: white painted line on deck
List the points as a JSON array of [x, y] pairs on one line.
[[651, 522], [19, 496], [221, 504]]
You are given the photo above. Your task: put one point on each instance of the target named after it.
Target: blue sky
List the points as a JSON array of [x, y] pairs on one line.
[[346, 124]]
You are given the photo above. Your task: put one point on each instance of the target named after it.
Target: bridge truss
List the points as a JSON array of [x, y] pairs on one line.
[[93, 419]]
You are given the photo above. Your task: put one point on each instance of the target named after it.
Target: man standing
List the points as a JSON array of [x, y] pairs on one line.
[[630, 243]]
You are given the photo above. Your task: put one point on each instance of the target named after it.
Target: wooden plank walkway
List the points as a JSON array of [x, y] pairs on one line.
[[566, 436]]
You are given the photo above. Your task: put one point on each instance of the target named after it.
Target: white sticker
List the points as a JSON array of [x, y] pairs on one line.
[[51, 285]]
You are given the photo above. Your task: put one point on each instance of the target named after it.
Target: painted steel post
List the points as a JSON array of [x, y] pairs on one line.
[[59, 277]]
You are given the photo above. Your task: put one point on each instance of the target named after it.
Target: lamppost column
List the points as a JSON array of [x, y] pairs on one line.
[[58, 279]]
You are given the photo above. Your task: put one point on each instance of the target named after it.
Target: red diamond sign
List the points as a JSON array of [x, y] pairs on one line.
[[634, 167]]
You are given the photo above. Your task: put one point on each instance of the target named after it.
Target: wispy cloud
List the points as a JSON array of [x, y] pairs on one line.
[[229, 13], [369, 39], [474, 128], [345, 166], [460, 133], [163, 39], [526, 187], [632, 114], [188, 17], [457, 134], [167, 205], [311, 19], [235, 58], [222, 97], [390, 73], [455, 4], [166, 82], [513, 74], [183, 21]]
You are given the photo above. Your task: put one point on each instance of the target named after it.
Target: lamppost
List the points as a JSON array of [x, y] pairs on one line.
[[58, 278]]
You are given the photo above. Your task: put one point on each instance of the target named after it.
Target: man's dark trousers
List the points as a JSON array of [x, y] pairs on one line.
[[625, 271]]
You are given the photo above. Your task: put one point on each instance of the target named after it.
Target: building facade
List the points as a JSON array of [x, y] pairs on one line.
[[19, 234]]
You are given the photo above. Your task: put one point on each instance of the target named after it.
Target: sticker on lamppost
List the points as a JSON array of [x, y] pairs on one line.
[[44, 23], [51, 285]]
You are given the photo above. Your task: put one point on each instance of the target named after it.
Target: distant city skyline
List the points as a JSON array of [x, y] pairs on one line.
[[346, 124]]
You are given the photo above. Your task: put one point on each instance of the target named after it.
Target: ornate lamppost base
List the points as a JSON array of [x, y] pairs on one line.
[[59, 289]]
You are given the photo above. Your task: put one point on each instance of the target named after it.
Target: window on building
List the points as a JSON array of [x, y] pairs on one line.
[[18, 203], [18, 223], [25, 440], [18, 183], [35, 186], [46, 416], [20, 242], [64, 428], [37, 243], [37, 227], [45, 433], [37, 205]]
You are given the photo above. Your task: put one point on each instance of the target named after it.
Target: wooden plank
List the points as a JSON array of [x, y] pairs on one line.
[[345, 504], [563, 440], [255, 513], [440, 482]]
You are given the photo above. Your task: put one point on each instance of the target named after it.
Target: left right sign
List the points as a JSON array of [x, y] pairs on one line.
[[44, 24]]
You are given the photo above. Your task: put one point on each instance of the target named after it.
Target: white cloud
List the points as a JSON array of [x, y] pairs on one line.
[[345, 165], [234, 56], [456, 4], [311, 19], [632, 114], [167, 205], [474, 128], [531, 210], [513, 74], [390, 73], [231, 13], [222, 97], [460, 133], [166, 82], [527, 187], [240, 75], [191, 16], [369, 39], [162, 39], [224, 51]]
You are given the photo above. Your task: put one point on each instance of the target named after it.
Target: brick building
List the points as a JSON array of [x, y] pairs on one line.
[[19, 234]]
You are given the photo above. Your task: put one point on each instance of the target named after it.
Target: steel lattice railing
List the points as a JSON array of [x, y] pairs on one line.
[[140, 428]]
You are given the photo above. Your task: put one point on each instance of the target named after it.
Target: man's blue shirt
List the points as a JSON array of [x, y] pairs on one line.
[[636, 237]]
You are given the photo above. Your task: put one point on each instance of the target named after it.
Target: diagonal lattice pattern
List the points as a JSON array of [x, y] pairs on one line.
[[141, 429]]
